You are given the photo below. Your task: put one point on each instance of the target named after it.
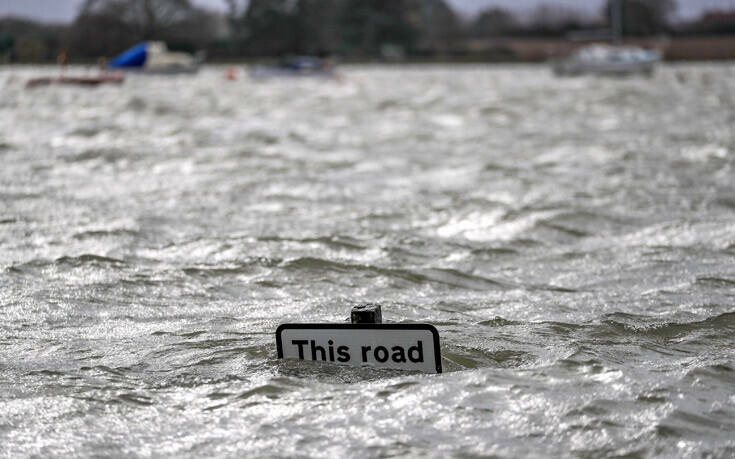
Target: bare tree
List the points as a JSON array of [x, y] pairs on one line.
[[639, 17], [549, 18], [493, 22], [147, 17], [104, 27]]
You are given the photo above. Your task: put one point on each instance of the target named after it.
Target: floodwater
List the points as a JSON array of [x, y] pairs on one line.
[[573, 241]]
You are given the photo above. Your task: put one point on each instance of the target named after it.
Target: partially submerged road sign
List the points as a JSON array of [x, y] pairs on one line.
[[399, 346]]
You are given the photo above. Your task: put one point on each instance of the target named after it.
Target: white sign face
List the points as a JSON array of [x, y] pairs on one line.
[[412, 347]]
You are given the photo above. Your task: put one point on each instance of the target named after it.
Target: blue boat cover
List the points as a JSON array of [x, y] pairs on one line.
[[133, 57], [301, 63]]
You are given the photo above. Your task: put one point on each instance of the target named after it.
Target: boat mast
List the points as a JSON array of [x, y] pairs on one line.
[[616, 20]]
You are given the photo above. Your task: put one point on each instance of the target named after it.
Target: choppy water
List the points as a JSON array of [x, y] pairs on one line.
[[572, 240]]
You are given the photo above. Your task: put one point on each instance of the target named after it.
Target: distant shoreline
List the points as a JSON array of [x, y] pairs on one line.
[[514, 50]]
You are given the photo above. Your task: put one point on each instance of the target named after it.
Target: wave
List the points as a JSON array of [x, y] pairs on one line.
[[66, 261], [243, 267], [110, 155], [448, 277], [95, 234], [621, 324], [334, 242]]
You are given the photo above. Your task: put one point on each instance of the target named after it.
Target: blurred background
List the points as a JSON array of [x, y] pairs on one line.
[[461, 30]]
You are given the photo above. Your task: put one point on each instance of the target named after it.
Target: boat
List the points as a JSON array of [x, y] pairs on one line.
[[153, 57], [607, 60], [302, 66], [107, 78]]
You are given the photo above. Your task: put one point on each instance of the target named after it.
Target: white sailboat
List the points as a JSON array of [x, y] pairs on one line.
[[607, 60], [613, 59], [154, 57]]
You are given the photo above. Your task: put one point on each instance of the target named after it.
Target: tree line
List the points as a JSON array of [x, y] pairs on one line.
[[390, 29]]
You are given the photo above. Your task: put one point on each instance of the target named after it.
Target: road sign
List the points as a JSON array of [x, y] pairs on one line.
[[399, 346]]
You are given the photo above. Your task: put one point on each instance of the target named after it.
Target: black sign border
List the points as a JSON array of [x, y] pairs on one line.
[[333, 326]]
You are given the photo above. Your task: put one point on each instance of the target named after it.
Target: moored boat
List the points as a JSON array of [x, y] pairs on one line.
[[108, 78], [296, 67], [154, 57], [607, 60]]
